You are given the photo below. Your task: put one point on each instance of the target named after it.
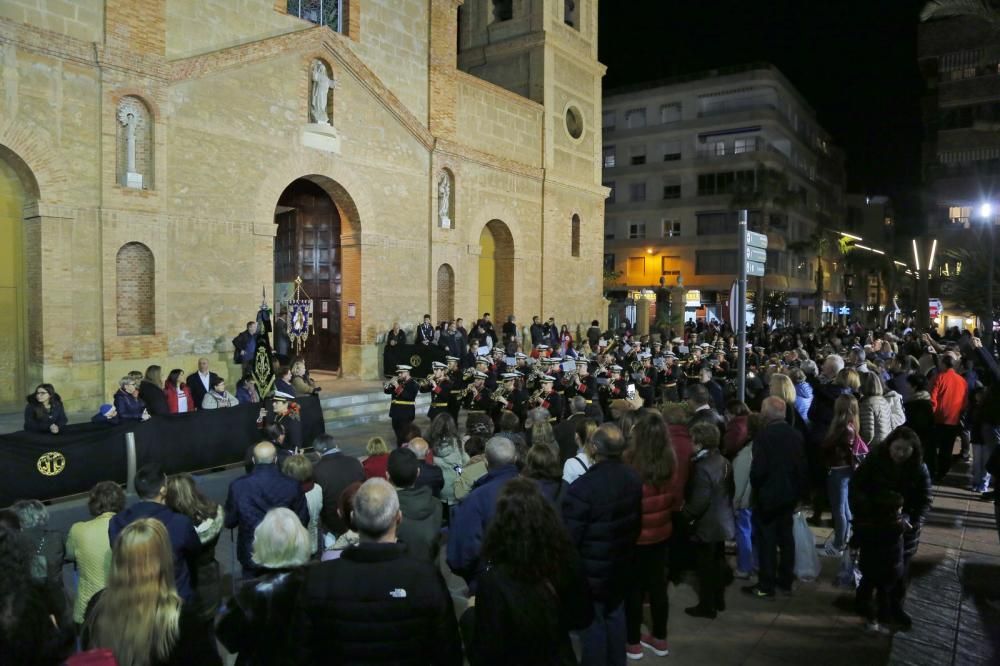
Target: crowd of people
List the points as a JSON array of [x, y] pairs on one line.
[[563, 525]]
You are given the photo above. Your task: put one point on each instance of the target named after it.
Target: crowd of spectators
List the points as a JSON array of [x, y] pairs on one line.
[[556, 533]]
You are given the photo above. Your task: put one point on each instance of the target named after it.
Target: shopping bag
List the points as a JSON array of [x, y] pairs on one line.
[[806, 558], [848, 575]]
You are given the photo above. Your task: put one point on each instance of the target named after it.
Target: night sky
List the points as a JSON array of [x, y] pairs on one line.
[[853, 60]]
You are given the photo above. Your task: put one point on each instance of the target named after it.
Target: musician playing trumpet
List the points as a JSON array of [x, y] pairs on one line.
[[646, 387], [439, 386], [476, 396], [584, 384], [402, 410], [507, 397], [547, 397], [455, 385]]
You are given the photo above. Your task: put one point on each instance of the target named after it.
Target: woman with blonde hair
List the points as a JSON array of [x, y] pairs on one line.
[[301, 381], [839, 450], [300, 468], [377, 463], [876, 415], [139, 616], [781, 386]]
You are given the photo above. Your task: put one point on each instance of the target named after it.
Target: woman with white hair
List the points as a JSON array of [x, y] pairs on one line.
[[257, 623], [45, 545]]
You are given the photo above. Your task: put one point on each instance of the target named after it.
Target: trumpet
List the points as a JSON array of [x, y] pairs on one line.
[[501, 392], [392, 383], [536, 397], [425, 382], [467, 375], [471, 388]]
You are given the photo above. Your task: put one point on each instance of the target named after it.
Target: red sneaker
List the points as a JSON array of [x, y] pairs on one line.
[[633, 652], [657, 645]]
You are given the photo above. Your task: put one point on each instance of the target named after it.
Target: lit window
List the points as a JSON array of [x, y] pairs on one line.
[[670, 265], [745, 145], [671, 228], [959, 214], [719, 148], [609, 157]]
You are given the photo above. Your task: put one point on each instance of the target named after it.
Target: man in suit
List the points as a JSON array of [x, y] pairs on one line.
[[333, 472], [201, 382], [245, 346]]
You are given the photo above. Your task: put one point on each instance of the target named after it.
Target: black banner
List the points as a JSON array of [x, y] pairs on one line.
[[419, 356], [44, 466]]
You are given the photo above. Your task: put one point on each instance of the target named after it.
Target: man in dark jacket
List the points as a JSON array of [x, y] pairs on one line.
[[376, 602], [253, 495], [565, 432], [431, 475], [474, 514], [602, 511], [201, 382], [700, 400], [420, 529], [151, 487], [333, 472], [245, 346], [537, 332], [778, 478]]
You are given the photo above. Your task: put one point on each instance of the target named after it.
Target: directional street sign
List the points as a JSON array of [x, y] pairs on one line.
[[755, 269], [756, 254], [755, 239]]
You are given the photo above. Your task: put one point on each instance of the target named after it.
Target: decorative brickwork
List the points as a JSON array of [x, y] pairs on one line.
[[574, 242], [135, 274]]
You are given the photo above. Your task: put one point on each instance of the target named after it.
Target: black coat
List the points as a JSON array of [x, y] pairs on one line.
[[920, 416], [565, 434], [155, 398], [602, 511], [128, 406], [376, 604], [257, 623], [333, 473], [431, 476], [778, 473], [56, 415], [514, 622], [709, 416], [877, 475]]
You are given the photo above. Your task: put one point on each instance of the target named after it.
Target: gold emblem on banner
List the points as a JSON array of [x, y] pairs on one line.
[[51, 463], [415, 360]]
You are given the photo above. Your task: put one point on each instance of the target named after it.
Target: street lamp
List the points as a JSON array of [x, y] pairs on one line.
[[986, 213]]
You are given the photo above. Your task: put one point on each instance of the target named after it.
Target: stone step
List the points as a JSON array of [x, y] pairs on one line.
[[345, 411]]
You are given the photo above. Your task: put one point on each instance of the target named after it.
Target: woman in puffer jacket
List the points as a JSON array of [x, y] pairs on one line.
[[448, 453], [875, 414], [652, 455]]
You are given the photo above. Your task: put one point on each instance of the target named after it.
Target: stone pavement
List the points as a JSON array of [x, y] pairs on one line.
[[954, 598]]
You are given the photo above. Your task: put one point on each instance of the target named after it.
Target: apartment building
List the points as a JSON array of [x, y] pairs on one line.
[[677, 154]]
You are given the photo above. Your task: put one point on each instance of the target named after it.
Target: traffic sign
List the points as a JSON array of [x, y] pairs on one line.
[[755, 268], [756, 254], [755, 239]]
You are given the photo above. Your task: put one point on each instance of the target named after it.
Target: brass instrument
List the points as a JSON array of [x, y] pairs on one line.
[[392, 383], [467, 375], [571, 379], [501, 392], [536, 397], [471, 388], [426, 381]]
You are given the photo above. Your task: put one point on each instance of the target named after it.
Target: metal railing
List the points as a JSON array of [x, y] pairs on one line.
[[321, 12]]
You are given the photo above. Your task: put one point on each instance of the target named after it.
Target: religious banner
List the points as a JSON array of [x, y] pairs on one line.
[[300, 311]]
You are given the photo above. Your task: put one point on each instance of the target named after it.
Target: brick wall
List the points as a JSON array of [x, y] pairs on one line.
[[134, 271], [445, 293]]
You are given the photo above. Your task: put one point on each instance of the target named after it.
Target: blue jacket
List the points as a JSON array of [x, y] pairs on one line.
[[252, 496], [183, 539], [803, 400], [129, 407], [473, 516], [602, 511]]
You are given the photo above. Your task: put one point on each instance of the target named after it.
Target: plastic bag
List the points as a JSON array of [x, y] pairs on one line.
[[806, 557], [848, 575]]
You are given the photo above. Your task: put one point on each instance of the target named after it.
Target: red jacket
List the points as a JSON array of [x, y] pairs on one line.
[[658, 505], [376, 466], [170, 391], [948, 397]]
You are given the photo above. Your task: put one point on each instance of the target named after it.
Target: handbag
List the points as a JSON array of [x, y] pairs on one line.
[[806, 557], [859, 449]]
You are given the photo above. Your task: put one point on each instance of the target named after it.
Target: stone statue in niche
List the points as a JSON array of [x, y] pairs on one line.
[[130, 118], [322, 83], [444, 200]]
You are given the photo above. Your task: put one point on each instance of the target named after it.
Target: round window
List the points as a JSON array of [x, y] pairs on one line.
[[574, 122]]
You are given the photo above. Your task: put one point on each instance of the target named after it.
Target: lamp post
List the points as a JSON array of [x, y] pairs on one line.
[[986, 213]]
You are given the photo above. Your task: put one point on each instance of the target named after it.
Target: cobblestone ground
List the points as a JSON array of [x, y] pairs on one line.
[[954, 597]]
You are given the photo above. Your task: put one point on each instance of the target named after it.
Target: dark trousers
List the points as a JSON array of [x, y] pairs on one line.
[[711, 575], [939, 456], [648, 579], [880, 601], [772, 532], [399, 426]]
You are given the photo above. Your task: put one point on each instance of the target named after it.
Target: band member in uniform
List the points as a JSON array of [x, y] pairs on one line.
[[476, 396], [672, 378], [548, 398], [521, 363], [499, 365], [403, 390], [646, 386], [507, 398], [284, 411], [455, 385], [585, 383], [439, 387], [613, 390]]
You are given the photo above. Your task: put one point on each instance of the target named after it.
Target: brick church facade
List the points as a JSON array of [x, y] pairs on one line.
[[164, 162]]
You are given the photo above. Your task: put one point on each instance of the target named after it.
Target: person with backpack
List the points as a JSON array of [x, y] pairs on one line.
[[843, 450]]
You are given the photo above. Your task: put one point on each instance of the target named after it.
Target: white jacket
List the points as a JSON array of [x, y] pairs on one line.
[[741, 477]]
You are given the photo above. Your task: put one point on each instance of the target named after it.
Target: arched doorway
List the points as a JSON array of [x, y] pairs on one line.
[[308, 245], [496, 271], [15, 193], [445, 293]]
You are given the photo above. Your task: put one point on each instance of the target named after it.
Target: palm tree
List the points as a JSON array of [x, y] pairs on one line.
[[870, 264], [767, 193], [822, 245], [981, 9]]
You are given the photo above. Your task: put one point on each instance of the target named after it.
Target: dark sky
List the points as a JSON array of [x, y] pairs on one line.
[[853, 60]]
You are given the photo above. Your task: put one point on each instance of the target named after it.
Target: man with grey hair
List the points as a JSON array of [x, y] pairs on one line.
[[832, 365], [431, 475], [253, 495], [602, 511], [565, 432], [778, 478], [476, 512], [375, 600]]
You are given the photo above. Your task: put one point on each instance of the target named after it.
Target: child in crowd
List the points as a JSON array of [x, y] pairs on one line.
[[881, 562]]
